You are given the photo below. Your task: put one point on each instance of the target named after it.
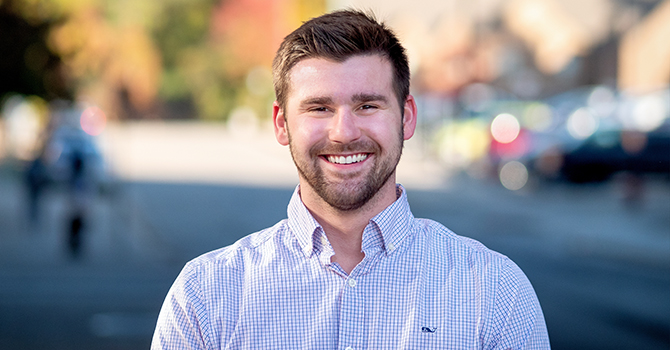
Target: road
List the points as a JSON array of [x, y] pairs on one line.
[[601, 270]]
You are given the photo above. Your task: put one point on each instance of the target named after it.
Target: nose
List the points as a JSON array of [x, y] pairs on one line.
[[344, 127]]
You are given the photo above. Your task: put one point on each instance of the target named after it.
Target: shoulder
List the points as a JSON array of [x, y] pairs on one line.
[[504, 288], [447, 242], [449, 251], [234, 257], [209, 287]]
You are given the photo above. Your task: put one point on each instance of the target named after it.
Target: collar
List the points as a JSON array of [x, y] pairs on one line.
[[386, 230]]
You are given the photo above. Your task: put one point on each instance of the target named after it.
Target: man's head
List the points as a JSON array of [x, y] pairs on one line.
[[338, 36], [344, 109]]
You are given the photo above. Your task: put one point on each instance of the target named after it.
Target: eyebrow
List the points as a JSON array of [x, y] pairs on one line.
[[357, 98], [363, 97], [317, 101]]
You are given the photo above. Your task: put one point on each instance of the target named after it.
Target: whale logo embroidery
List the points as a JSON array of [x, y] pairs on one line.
[[428, 329]]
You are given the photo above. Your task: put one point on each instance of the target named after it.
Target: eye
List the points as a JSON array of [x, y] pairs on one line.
[[318, 109], [368, 107]]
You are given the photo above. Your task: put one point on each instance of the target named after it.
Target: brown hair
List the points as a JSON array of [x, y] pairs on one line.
[[337, 36]]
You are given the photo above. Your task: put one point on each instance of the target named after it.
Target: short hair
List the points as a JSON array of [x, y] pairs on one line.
[[338, 36]]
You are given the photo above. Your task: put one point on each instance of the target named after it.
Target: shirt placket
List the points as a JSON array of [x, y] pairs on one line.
[[352, 310]]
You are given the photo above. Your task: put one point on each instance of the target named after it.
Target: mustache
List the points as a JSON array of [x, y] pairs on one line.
[[360, 146]]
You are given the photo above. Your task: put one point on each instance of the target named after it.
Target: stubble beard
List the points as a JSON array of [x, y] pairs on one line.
[[345, 193]]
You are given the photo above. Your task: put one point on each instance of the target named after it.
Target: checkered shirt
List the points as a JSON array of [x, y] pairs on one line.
[[419, 286]]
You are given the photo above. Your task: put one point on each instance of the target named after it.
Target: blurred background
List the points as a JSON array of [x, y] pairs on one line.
[[136, 135]]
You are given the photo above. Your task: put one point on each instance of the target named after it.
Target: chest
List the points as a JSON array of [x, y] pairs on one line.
[[401, 306]]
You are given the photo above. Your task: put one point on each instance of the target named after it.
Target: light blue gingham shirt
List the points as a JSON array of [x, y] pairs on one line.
[[420, 286]]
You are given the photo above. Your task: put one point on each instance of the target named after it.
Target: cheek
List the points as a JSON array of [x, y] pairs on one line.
[[302, 135], [386, 135], [311, 128]]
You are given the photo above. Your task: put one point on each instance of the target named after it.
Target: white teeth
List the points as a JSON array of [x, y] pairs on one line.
[[348, 159]]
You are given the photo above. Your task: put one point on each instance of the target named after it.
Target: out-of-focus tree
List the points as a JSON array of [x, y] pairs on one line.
[[93, 50], [110, 61], [218, 54], [80, 49], [181, 31], [130, 56], [27, 65]]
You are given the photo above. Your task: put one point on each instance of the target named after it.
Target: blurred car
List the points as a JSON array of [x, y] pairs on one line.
[[610, 151], [584, 135], [591, 142]]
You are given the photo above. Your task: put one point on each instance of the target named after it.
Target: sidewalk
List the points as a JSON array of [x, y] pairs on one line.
[[582, 220], [238, 155]]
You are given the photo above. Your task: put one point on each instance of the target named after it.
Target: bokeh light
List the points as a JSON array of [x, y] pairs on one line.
[[537, 117], [582, 124], [93, 121], [513, 175], [602, 101], [649, 112], [505, 128], [461, 144]]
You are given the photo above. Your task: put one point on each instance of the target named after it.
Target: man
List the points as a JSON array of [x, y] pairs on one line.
[[350, 268]]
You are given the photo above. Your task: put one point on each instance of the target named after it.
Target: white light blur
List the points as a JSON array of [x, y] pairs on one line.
[[649, 113], [538, 117], [505, 128], [602, 100], [513, 175], [582, 124], [23, 126]]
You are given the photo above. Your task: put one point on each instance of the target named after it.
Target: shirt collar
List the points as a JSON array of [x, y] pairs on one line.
[[303, 225], [386, 230], [394, 222]]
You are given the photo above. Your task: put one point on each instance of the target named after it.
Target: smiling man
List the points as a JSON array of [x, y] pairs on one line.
[[350, 268]]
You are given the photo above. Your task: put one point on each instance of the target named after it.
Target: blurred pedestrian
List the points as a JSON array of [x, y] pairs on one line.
[[78, 192], [351, 267], [37, 178]]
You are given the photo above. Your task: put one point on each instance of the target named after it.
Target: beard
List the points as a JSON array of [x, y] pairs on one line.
[[347, 192]]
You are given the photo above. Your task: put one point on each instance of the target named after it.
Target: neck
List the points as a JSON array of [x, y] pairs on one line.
[[344, 229]]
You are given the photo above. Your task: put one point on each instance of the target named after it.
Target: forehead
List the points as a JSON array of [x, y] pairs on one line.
[[357, 74]]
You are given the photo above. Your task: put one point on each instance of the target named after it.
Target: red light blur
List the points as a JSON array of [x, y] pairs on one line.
[[511, 150], [93, 121]]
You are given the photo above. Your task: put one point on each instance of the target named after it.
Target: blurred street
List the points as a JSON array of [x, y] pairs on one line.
[[601, 268], [135, 135]]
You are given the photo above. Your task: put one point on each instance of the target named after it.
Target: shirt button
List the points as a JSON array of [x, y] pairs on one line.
[[349, 348], [352, 283], [390, 247]]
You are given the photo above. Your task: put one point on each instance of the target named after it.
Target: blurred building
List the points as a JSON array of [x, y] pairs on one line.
[[531, 48]]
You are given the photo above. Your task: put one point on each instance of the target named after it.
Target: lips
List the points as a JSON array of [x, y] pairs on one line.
[[348, 159]]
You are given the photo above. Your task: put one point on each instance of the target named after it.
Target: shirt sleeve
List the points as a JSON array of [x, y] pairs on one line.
[[519, 320], [183, 319]]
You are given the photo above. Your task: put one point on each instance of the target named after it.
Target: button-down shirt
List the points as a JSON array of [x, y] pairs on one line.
[[419, 286]]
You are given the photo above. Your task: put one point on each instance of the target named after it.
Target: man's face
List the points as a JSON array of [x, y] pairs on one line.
[[344, 127]]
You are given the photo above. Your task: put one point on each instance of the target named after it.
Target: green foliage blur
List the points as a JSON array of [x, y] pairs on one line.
[[148, 59]]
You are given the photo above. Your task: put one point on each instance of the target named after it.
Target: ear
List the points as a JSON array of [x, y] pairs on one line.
[[409, 118], [279, 122]]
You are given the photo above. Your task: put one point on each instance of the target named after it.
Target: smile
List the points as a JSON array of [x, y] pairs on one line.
[[355, 158]]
